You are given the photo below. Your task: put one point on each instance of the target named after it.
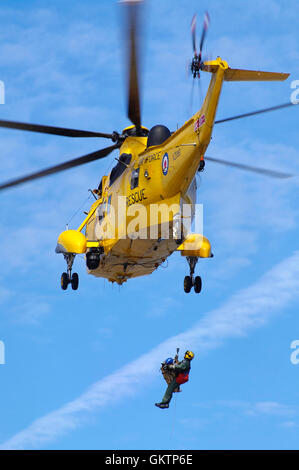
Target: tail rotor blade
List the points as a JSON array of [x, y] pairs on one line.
[[196, 63], [193, 33], [206, 24], [191, 97]]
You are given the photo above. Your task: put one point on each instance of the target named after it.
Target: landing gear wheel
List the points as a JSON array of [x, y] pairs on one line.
[[64, 281], [187, 284], [197, 284], [75, 281], [69, 278]]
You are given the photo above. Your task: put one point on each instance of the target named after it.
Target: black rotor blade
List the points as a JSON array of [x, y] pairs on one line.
[[253, 169], [193, 34], [133, 98], [260, 111], [24, 126], [61, 167]]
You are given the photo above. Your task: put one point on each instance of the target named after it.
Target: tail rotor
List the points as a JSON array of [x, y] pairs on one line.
[[206, 24], [196, 62], [195, 66]]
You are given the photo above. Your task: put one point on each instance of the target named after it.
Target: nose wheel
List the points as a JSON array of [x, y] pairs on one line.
[[69, 278], [191, 281]]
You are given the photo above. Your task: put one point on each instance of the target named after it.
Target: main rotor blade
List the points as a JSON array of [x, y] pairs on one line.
[[260, 111], [253, 169], [133, 98], [24, 126], [61, 167]]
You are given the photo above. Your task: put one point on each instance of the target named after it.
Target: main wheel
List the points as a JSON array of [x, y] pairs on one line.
[[64, 281], [197, 284], [75, 281], [187, 284]]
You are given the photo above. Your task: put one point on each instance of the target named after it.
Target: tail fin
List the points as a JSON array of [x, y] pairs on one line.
[[239, 75]]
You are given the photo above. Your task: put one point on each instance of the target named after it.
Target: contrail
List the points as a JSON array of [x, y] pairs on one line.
[[249, 308]]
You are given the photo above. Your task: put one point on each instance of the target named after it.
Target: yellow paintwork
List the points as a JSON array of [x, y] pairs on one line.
[[122, 257], [88, 217], [72, 241], [92, 244], [196, 245], [128, 128], [236, 75]]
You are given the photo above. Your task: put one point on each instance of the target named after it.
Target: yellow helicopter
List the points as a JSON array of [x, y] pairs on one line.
[[144, 208]]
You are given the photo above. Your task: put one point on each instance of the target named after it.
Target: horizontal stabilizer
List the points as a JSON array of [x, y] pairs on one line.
[[239, 75]]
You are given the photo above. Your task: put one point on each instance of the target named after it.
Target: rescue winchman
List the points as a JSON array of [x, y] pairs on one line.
[[175, 373]]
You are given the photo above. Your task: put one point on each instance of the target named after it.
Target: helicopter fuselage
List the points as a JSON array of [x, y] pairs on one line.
[[157, 175], [137, 221]]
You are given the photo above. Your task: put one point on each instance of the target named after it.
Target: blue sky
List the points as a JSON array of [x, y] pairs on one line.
[[82, 368]]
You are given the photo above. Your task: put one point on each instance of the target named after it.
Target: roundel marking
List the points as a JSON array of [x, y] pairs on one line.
[[165, 164]]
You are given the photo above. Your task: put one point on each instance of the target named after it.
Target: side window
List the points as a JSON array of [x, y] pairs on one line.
[[135, 178], [101, 210], [109, 204]]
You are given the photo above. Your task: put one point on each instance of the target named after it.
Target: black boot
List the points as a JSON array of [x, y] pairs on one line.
[[162, 405]]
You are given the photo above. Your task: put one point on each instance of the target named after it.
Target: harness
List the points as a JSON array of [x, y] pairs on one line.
[[182, 377]]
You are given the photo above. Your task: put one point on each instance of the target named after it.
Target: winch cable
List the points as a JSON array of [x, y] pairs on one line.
[[79, 209]]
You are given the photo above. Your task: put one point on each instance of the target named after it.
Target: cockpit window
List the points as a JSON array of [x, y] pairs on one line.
[[135, 178], [100, 188], [123, 161]]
